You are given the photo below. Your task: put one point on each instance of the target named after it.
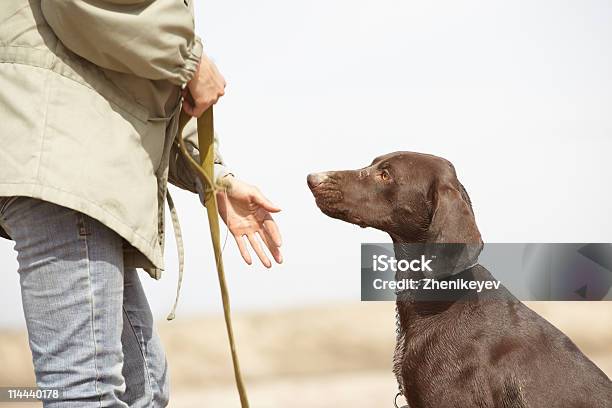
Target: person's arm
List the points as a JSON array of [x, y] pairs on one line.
[[153, 39]]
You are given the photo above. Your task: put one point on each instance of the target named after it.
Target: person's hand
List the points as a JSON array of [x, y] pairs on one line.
[[246, 212], [204, 89]]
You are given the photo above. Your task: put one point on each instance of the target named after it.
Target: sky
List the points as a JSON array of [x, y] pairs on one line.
[[517, 94]]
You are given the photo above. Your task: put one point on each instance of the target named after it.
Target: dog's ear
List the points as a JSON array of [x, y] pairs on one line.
[[452, 219], [453, 224]]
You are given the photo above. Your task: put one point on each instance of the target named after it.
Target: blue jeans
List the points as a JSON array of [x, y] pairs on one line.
[[89, 323]]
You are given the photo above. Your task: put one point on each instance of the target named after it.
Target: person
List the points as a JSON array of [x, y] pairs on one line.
[[90, 95]]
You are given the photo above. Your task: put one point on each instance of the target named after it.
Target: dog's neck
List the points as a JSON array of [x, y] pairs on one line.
[[411, 305], [412, 313]]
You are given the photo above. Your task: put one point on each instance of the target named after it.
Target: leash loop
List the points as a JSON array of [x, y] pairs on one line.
[[395, 401]]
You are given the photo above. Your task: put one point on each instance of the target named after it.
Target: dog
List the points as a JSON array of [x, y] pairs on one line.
[[468, 351]]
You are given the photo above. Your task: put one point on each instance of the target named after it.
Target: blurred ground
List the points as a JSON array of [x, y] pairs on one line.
[[338, 355]]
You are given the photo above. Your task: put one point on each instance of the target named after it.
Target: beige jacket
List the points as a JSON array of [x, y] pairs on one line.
[[89, 104]]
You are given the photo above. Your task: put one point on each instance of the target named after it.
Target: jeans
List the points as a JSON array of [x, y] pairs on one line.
[[89, 323]]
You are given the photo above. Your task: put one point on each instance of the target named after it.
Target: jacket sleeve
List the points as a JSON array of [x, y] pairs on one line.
[[153, 39], [180, 172]]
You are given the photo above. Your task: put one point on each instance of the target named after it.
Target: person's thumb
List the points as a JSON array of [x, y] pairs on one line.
[[264, 202]]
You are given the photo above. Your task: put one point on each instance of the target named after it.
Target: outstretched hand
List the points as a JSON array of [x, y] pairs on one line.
[[247, 213]]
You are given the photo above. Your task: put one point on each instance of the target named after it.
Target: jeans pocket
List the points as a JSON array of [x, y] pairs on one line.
[[5, 202]]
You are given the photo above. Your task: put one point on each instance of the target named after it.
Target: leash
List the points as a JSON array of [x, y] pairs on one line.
[[205, 173]]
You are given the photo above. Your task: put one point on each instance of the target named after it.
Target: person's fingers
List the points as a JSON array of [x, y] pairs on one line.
[[219, 77], [259, 250], [274, 249], [195, 109], [264, 202], [200, 109], [188, 108], [243, 249], [272, 230], [188, 103]]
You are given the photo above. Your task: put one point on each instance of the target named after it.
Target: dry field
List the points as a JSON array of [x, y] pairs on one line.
[[333, 356]]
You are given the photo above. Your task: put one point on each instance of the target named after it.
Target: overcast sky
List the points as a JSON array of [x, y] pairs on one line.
[[517, 94]]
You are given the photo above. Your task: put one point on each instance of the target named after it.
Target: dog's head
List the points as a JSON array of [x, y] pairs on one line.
[[412, 196]]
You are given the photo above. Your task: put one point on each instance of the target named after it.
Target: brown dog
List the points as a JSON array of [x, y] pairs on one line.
[[470, 351]]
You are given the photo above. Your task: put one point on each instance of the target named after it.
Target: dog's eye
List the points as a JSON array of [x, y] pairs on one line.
[[385, 176]]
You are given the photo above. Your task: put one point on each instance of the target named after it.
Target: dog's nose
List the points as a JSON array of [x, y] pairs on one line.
[[314, 179]]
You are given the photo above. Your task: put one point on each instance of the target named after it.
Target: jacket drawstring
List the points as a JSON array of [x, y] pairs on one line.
[[176, 226]]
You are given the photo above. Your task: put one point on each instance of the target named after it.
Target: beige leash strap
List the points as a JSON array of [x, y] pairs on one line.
[[205, 171]]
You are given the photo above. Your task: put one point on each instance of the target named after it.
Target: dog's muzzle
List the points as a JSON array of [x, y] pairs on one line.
[[314, 179]]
